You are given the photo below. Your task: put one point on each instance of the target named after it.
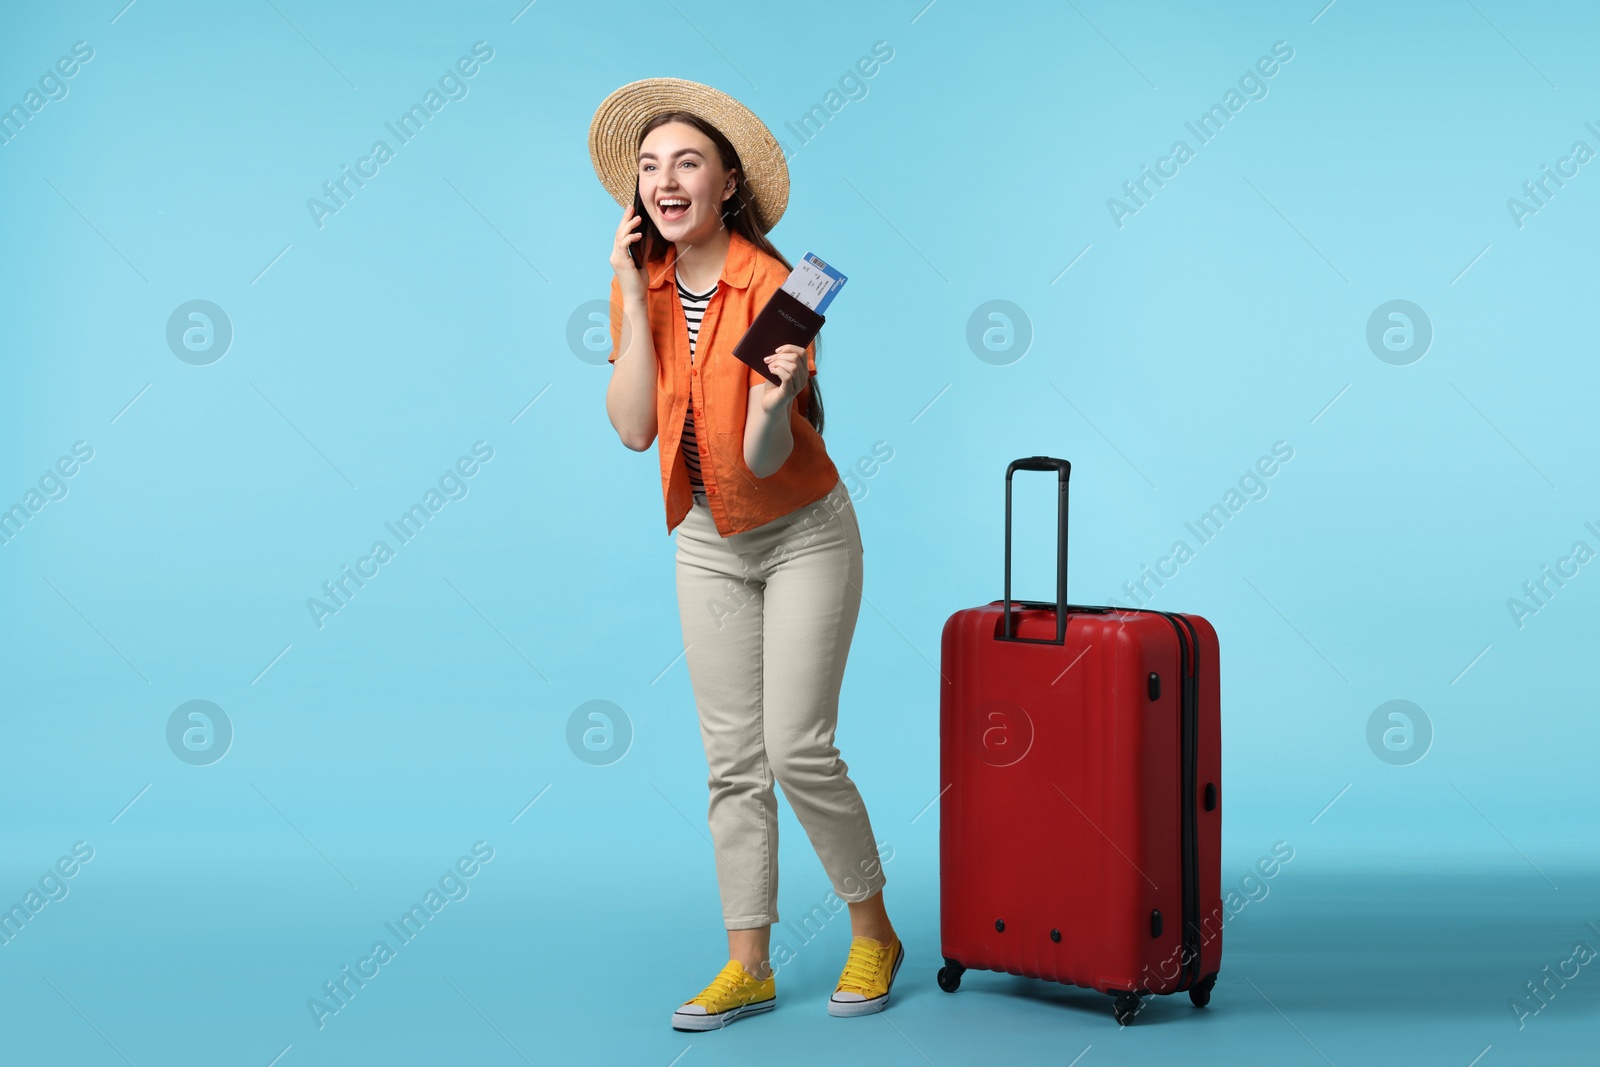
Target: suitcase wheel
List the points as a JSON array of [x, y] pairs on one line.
[[1125, 1007], [950, 975], [1200, 992]]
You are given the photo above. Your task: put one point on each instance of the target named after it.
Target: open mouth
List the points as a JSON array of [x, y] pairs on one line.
[[673, 207]]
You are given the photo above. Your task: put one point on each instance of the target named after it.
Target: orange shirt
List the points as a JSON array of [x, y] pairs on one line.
[[718, 387]]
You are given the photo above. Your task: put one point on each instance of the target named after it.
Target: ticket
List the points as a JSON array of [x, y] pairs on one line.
[[814, 283]]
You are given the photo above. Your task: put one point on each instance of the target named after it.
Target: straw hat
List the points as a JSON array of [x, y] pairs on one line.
[[614, 139]]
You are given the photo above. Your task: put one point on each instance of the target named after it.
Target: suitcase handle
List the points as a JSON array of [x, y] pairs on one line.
[[1063, 470]]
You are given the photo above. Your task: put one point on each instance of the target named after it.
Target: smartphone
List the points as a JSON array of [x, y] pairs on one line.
[[636, 248]]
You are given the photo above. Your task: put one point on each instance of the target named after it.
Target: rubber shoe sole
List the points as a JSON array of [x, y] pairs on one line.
[[693, 1021], [847, 1008]]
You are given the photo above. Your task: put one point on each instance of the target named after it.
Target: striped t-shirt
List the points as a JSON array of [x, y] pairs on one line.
[[694, 309]]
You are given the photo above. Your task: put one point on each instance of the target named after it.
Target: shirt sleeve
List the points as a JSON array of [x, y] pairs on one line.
[[615, 318]]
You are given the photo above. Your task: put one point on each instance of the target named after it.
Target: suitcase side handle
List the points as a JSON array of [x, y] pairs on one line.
[[1063, 471]]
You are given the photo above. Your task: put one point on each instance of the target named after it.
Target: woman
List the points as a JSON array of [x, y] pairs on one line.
[[768, 549]]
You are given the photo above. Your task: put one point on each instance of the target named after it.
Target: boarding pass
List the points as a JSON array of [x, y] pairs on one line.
[[814, 283]]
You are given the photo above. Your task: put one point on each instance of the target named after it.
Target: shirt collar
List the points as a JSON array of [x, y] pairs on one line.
[[737, 269]]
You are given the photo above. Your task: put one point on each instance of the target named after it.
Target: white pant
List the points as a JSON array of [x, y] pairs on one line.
[[768, 615]]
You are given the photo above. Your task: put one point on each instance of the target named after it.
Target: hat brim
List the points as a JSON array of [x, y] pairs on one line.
[[614, 139]]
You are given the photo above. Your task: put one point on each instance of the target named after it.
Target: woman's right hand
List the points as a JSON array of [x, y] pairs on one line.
[[633, 280]]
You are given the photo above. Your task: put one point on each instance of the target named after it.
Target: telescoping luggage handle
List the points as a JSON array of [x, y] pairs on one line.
[[1064, 472]]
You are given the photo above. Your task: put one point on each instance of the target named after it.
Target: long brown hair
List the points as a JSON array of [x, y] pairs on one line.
[[738, 215]]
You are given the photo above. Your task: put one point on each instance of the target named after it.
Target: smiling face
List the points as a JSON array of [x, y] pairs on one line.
[[683, 183]]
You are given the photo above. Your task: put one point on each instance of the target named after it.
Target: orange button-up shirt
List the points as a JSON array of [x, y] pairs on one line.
[[718, 387]]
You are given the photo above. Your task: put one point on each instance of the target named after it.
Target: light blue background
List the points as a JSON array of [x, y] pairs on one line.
[[434, 311]]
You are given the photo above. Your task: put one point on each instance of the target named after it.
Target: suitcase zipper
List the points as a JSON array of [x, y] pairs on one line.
[[1189, 649], [1189, 715]]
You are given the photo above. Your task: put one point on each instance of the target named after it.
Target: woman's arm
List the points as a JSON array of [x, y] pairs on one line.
[[768, 440], [767, 437], [631, 393]]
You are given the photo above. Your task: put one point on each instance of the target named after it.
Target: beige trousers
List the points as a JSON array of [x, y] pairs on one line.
[[768, 615]]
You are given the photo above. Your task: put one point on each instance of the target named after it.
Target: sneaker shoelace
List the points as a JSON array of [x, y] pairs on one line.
[[861, 969], [721, 986]]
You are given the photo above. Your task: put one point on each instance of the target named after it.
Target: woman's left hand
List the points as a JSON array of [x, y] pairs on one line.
[[789, 364]]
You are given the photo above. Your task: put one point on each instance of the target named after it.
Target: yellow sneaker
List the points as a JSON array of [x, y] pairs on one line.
[[867, 977], [732, 994]]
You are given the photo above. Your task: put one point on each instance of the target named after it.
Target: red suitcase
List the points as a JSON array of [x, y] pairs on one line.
[[1080, 819]]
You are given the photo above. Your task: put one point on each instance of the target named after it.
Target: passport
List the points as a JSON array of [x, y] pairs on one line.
[[789, 317]]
